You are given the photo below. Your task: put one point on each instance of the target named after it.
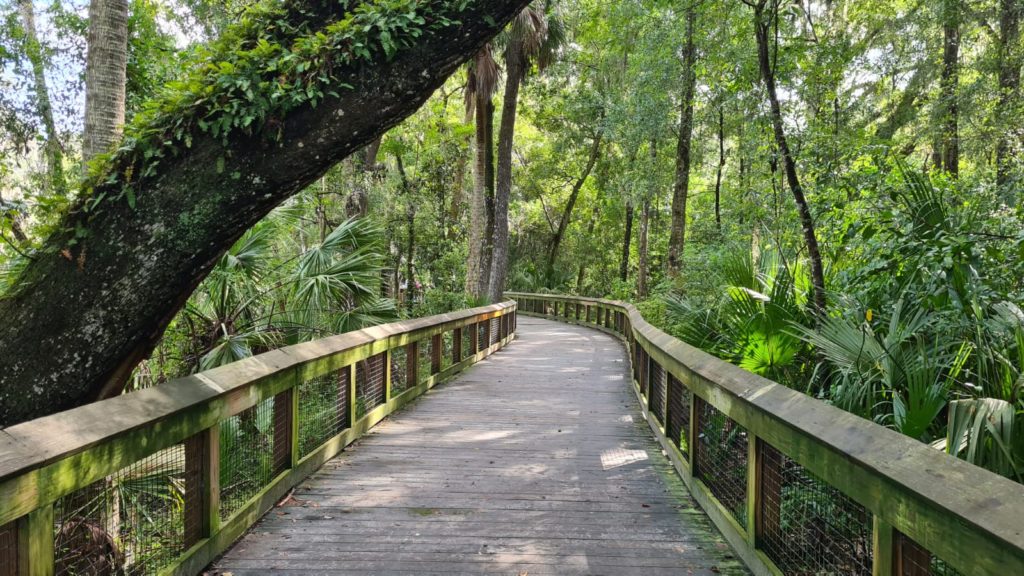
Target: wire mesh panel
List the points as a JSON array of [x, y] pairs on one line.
[[677, 425], [482, 335], [9, 549], [131, 522], [370, 383], [912, 559], [447, 349], [323, 409], [495, 336], [657, 397], [399, 377], [423, 361], [467, 340], [722, 459], [246, 455], [806, 526]]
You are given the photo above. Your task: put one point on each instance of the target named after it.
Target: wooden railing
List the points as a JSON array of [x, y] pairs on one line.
[[798, 486], [165, 479]]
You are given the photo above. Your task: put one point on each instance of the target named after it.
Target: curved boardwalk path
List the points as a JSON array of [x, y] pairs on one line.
[[533, 462]]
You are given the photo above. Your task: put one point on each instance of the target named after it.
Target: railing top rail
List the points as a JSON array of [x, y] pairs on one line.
[[34, 444], [896, 477]]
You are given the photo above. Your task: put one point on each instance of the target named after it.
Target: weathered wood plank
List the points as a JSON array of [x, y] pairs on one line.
[[545, 470], [943, 503]]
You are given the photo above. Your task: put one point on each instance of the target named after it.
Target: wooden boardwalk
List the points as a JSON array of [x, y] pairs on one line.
[[534, 462]]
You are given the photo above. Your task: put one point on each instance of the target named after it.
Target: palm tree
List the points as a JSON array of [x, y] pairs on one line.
[[105, 76], [481, 85], [533, 36]]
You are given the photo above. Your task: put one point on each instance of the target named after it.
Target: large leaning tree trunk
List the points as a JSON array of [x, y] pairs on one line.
[[105, 76], [97, 298], [764, 17]]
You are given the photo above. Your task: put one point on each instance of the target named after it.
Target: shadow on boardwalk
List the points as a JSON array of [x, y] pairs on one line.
[[534, 462]]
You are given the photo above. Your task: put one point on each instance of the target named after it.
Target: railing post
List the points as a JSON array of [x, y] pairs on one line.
[[694, 434], [35, 542], [202, 485], [412, 364], [436, 344], [285, 407], [883, 544], [475, 337], [456, 346], [353, 405], [755, 498]]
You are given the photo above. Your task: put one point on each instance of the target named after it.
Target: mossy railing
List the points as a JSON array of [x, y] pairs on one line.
[[798, 486], [164, 479]]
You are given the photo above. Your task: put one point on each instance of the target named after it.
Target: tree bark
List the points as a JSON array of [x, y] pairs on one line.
[[677, 236], [643, 267], [563, 223], [949, 86], [515, 69], [626, 241], [762, 27], [721, 166], [89, 311], [105, 76], [478, 264], [53, 149], [1007, 106]]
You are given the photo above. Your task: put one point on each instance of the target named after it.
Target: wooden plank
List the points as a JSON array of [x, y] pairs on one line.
[[943, 503], [542, 484]]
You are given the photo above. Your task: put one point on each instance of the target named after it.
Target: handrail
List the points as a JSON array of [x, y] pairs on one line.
[[283, 414], [805, 476]]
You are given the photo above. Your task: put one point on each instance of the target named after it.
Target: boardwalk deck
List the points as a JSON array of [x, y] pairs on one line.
[[534, 462]]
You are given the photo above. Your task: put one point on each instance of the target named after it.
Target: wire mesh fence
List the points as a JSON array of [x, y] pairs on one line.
[[399, 368], [423, 361], [246, 455], [495, 333], [806, 526], [130, 523], [658, 385], [9, 549], [482, 335], [370, 383], [447, 349], [722, 459], [912, 559], [677, 425], [467, 340], [323, 409]]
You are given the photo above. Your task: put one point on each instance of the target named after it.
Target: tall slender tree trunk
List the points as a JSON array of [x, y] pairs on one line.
[[721, 166], [763, 23], [677, 236], [515, 69], [52, 149], [410, 238], [643, 265], [105, 76], [627, 239], [563, 223], [478, 267], [1007, 107], [949, 82]]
